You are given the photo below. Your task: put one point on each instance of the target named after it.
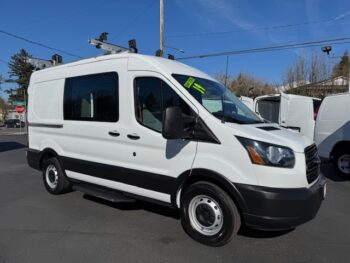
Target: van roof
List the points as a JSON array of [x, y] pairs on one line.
[[135, 62], [338, 94]]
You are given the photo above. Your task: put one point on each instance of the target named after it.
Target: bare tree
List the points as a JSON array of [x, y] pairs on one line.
[[306, 69], [246, 85]]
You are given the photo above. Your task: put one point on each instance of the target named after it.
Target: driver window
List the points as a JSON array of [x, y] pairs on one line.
[[152, 96]]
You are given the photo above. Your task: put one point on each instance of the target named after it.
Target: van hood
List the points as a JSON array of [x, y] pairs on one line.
[[271, 133]]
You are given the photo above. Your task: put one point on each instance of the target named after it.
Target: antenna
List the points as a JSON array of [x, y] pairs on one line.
[[101, 43]]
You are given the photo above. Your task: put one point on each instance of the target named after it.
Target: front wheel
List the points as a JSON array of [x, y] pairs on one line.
[[208, 214], [54, 178], [341, 163]]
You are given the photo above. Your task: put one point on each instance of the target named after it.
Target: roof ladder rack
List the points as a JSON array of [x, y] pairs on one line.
[[101, 43], [38, 63]]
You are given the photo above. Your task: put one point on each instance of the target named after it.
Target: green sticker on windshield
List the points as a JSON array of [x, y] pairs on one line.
[[199, 88], [189, 82]]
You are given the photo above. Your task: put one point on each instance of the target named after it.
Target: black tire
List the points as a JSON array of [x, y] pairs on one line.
[[54, 177], [339, 155], [200, 194]]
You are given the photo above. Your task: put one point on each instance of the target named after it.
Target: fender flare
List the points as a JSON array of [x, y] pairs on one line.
[[195, 175]]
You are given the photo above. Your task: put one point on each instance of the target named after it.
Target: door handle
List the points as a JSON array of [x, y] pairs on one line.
[[133, 136], [114, 133]]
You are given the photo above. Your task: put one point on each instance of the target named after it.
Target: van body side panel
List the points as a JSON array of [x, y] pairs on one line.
[[228, 158], [297, 113], [333, 123]]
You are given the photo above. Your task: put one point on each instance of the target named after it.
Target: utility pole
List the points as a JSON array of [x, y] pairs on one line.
[[226, 72], [161, 29]]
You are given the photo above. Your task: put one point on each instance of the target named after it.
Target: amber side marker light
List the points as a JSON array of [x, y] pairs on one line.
[[256, 158]]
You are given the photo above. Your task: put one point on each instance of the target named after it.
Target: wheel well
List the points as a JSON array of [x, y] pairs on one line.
[[342, 145], [46, 154], [221, 182]]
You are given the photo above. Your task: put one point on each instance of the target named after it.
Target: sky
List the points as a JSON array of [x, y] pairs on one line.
[[195, 26]]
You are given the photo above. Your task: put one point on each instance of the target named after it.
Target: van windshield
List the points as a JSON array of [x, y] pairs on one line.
[[218, 100]]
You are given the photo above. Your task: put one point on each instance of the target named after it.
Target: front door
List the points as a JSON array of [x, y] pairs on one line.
[[160, 161]]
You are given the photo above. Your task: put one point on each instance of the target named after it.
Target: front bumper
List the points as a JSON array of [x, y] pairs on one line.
[[279, 208]]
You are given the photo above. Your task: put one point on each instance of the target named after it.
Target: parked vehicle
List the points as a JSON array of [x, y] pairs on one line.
[[129, 126], [293, 112], [249, 102], [332, 132], [14, 123]]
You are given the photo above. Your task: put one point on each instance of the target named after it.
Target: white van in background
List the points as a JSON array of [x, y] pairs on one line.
[[293, 112], [129, 126], [332, 132], [249, 102]]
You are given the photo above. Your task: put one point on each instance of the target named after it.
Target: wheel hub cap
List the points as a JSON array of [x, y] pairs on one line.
[[344, 164], [205, 215], [51, 176]]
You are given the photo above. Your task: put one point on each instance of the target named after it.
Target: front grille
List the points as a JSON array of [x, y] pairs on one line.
[[312, 163]]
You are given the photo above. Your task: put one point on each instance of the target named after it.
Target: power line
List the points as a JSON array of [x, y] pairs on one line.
[[39, 44], [3, 61], [334, 41], [251, 29]]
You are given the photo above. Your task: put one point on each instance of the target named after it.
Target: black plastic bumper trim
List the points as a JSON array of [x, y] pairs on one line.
[[33, 158], [279, 208]]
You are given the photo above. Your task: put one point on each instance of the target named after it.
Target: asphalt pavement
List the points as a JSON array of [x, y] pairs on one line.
[[38, 227]]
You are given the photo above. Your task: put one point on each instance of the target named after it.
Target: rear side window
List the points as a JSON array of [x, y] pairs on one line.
[[152, 97], [92, 98]]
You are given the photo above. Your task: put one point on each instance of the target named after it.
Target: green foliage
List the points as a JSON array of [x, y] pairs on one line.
[[3, 109], [19, 68], [342, 68]]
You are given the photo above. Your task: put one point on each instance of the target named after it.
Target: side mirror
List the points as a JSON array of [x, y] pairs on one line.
[[173, 123]]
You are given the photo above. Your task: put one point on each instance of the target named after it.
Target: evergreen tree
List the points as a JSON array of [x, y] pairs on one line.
[[342, 68], [20, 68]]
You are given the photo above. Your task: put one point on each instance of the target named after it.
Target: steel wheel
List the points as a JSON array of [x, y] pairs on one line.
[[51, 176], [205, 215], [344, 163]]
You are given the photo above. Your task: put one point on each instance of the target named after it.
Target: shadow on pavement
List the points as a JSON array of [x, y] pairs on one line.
[[328, 171], [173, 213], [9, 146], [248, 232], [137, 205]]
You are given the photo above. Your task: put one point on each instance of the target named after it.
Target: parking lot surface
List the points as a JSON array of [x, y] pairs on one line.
[[38, 227]]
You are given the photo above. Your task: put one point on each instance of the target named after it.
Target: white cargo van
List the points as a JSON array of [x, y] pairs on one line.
[[294, 112], [332, 132], [249, 102], [130, 126]]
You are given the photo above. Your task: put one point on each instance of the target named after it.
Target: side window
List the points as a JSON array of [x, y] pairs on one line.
[[152, 96], [92, 98]]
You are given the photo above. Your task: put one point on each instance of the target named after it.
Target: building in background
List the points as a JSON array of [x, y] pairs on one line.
[[323, 88]]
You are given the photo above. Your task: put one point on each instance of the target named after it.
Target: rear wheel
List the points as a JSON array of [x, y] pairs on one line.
[[208, 214], [341, 163], [54, 178]]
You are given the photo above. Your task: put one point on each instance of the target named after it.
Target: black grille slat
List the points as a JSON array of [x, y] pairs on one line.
[[268, 128], [312, 163]]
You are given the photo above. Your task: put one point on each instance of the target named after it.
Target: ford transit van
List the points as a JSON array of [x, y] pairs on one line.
[[332, 132], [294, 112], [131, 126]]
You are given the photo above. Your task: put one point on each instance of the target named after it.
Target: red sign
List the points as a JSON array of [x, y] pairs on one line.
[[19, 109]]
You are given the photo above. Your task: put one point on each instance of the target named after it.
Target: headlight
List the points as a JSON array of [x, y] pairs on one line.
[[268, 154]]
